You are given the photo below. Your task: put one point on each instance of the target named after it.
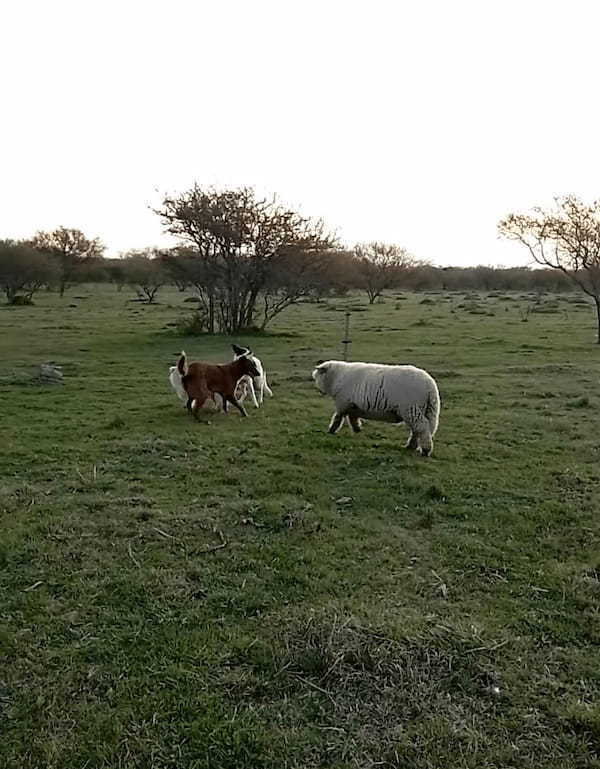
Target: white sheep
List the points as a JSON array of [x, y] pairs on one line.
[[383, 393]]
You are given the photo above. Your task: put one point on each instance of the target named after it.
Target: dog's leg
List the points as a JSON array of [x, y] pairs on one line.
[[252, 393], [238, 406]]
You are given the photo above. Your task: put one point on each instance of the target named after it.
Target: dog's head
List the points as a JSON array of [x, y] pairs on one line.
[[246, 352], [249, 366], [239, 351]]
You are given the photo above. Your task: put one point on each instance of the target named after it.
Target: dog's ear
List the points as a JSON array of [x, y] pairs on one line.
[[240, 350]]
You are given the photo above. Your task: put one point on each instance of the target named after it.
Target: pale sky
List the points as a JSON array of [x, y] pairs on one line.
[[418, 123]]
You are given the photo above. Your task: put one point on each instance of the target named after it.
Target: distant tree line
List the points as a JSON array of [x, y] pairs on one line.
[[246, 259]]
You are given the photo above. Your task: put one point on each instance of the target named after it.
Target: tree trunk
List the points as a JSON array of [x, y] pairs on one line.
[[211, 314], [251, 307], [597, 302]]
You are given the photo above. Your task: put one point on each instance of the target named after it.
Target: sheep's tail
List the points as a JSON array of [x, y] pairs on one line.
[[182, 364], [432, 408]]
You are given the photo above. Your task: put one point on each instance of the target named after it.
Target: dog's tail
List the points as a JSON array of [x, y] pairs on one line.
[[266, 386], [182, 364]]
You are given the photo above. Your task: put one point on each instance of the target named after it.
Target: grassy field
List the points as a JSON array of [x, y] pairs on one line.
[[257, 593]]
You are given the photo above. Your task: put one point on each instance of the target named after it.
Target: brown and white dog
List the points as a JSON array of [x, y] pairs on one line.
[[245, 385], [201, 382]]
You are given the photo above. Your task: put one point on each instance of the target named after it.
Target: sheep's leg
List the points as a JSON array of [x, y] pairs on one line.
[[355, 423], [336, 422]]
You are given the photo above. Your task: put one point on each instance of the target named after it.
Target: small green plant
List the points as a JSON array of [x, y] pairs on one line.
[[194, 324]]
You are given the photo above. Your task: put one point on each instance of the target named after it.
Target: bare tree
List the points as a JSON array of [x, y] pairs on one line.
[[23, 270], [70, 248], [382, 266], [189, 267], [177, 262], [566, 239], [115, 271], [293, 276], [145, 270], [239, 242]]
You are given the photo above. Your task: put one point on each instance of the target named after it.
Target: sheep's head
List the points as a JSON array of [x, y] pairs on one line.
[[319, 374]]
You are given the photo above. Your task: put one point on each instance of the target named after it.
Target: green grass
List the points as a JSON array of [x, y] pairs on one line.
[[257, 593]]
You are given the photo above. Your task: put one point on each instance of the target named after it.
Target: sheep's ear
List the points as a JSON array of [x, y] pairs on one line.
[[240, 350]]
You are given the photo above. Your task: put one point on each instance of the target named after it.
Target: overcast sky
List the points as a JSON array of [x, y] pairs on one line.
[[419, 123]]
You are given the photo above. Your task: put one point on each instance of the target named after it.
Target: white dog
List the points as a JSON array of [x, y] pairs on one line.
[[260, 381]]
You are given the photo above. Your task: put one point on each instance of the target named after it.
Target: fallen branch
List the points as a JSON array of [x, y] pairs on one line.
[[33, 587], [486, 648], [215, 547], [163, 533], [132, 556], [314, 686]]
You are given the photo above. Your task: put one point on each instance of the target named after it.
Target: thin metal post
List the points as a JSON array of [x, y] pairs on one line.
[[346, 341]]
